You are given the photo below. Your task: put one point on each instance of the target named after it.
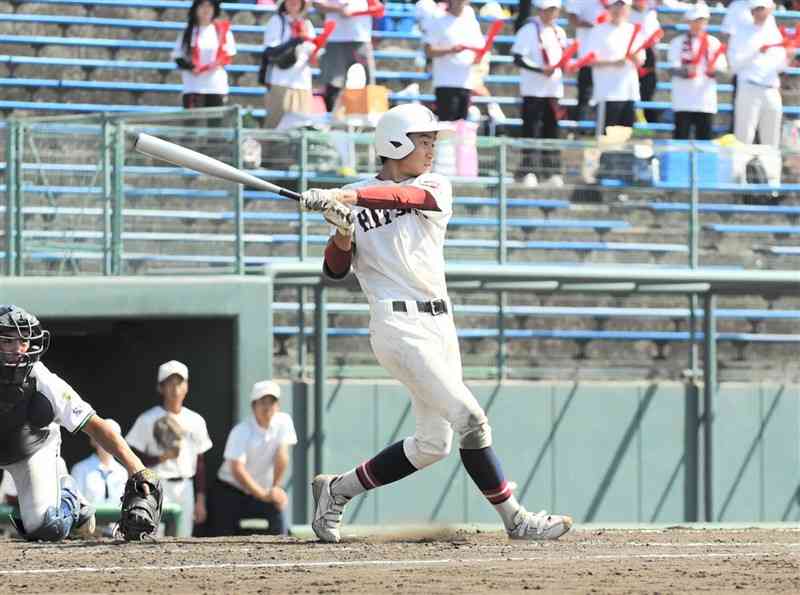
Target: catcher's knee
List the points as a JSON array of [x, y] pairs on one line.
[[55, 527], [476, 433], [423, 452]]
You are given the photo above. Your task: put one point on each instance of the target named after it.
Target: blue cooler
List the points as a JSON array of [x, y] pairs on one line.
[[714, 166]]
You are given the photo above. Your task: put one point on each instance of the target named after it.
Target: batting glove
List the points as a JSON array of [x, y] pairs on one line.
[[318, 199], [339, 215]]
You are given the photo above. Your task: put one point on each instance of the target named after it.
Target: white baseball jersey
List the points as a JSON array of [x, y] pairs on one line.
[[698, 94], [99, 483], [535, 41], [256, 447], [399, 253], [70, 410], [195, 441]]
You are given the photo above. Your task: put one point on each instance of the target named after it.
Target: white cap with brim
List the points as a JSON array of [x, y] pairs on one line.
[[761, 4], [263, 388], [171, 368], [545, 4], [698, 11]]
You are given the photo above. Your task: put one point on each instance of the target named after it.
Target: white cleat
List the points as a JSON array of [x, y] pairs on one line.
[[539, 526], [327, 509]]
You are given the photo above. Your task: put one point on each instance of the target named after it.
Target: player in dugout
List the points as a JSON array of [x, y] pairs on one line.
[[398, 221]]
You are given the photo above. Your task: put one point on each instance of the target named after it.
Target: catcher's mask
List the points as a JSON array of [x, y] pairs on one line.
[[18, 325]]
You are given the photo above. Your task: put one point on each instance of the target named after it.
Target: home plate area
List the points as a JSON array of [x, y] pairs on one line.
[[430, 560]]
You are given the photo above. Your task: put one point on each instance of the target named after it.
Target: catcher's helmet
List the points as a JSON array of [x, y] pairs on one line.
[[16, 323], [392, 130]]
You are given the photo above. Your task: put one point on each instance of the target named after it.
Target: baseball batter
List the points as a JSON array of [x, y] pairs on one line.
[[35, 404], [398, 222]]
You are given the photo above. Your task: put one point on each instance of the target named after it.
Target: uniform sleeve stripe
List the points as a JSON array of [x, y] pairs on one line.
[[84, 422]]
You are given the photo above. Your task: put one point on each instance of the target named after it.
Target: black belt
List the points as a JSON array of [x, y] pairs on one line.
[[178, 478], [434, 307]]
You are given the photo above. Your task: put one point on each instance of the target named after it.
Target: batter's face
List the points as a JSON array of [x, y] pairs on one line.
[[173, 392], [420, 160], [264, 409], [12, 347]]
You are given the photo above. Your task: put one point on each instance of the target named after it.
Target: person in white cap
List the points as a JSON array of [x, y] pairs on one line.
[[615, 74], [694, 78], [250, 479], [583, 16], [399, 221], [447, 37], [757, 57], [173, 438], [538, 47]]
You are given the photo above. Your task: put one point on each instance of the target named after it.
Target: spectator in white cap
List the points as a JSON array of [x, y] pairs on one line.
[[757, 57], [583, 16], [694, 77], [615, 74], [538, 48], [171, 440], [250, 479]]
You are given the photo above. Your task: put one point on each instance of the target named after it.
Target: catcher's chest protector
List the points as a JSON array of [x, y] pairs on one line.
[[25, 416]]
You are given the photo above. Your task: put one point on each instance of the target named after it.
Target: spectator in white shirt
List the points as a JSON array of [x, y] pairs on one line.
[[101, 479], [694, 79], [644, 14], [350, 43], [202, 51], [250, 480], [288, 76], [615, 74], [448, 36], [757, 56], [583, 16], [538, 48]]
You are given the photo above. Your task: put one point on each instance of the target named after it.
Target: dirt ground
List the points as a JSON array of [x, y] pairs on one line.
[[432, 561]]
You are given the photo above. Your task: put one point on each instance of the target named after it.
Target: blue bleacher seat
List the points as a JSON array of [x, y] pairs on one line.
[[745, 228]]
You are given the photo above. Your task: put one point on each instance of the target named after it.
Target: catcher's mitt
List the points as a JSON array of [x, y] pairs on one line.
[[141, 511], [168, 433]]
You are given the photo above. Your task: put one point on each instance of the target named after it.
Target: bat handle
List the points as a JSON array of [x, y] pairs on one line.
[[290, 194]]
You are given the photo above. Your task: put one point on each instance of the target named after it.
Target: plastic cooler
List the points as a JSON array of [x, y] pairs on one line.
[[714, 166]]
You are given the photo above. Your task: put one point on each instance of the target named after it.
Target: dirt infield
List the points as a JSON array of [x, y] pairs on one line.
[[440, 561]]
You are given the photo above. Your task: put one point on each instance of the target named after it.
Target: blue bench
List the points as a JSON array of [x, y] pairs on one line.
[[724, 208], [744, 228], [156, 4], [783, 250], [532, 224]]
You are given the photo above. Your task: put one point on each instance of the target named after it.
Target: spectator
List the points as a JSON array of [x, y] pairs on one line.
[[249, 482], [289, 75], [537, 50], [448, 36], [583, 16], [178, 460], [615, 75], [757, 56], [202, 51], [350, 43], [694, 85], [644, 14], [100, 478]]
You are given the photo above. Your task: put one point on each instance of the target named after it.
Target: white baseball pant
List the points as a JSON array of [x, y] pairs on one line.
[[38, 481], [758, 108], [421, 351], [182, 494]]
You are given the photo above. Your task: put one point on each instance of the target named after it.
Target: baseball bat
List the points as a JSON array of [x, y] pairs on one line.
[[178, 155]]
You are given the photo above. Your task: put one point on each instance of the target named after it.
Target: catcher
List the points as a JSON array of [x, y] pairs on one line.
[[34, 405], [171, 439]]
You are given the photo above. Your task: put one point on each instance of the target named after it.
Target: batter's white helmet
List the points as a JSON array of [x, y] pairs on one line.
[[391, 133]]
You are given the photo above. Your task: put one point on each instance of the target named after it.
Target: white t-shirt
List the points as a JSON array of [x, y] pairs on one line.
[[698, 94], [195, 441], [528, 43], [351, 28], [747, 60], [648, 19], [446, 31], [256, 447], [278, 31], [212, 81], [70, 410], [610, 42], [399, 253], [100, 484], [585, 10]]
